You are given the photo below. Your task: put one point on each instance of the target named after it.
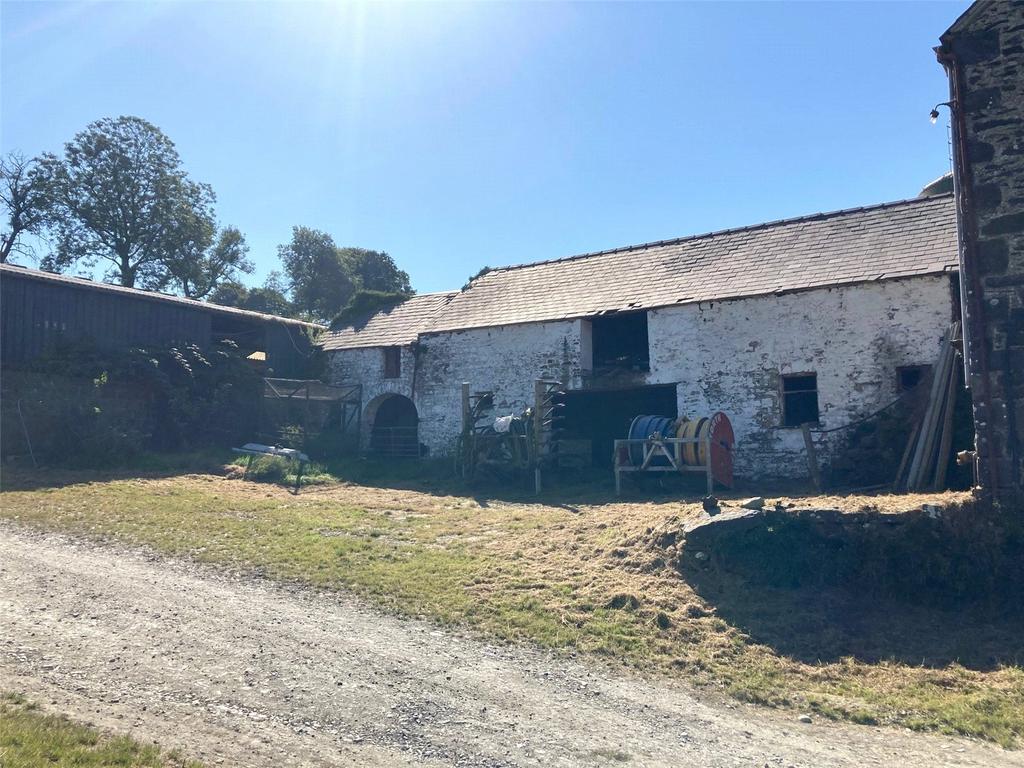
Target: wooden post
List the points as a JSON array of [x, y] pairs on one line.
[[618, 470], [305, 424], [466, 426], [539, 391], [706, 440], [812, 456], [946, 437], [926, 444], [897, 484]]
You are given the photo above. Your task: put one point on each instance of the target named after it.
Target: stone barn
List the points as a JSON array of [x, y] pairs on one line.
[[822, 319]]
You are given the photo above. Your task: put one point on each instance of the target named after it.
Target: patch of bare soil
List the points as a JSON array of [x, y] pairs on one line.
[[243, 672]]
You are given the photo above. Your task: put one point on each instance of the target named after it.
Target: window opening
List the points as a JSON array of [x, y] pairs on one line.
[[909, 376], [799, 399], [392, 362]]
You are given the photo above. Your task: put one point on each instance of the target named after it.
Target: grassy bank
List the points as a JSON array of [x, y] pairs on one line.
[[30, 738], [585, 578]]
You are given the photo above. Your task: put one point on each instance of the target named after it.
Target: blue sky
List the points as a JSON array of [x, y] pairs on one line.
[[460, 135]]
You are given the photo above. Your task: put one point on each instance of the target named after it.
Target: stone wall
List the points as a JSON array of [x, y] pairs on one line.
[[506, 360], [984, 55], [730, 356], [725, 356]]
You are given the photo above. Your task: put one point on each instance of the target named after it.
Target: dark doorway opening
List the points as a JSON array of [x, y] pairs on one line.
[[396, 428], [621, 342], [603, 416]]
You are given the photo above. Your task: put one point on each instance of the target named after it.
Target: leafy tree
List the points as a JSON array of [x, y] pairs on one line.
[[196, 267], [120, 196], [319, 279], [229, 293], [376, 271], [269, 299], [23, 191]]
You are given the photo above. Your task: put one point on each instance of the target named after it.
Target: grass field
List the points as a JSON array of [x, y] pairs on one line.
[[581, 577], [30, 738]]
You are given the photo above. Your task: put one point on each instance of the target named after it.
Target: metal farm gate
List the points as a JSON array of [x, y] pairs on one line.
[[311, 415]]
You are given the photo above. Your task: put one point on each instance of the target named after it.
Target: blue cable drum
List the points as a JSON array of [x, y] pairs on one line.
[[641, 429]]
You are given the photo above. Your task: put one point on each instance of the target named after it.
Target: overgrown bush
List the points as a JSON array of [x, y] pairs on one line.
[[84, 406], [365, 304]]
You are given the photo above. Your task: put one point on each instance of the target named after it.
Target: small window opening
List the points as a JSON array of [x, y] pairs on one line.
[[909, 376], [620, 341], [392, 362], [799, 399]]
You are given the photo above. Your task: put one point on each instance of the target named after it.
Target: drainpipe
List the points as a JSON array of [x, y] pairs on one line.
[[970, 282]]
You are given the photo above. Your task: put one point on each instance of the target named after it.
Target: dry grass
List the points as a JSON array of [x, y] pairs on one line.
[[582, 577]]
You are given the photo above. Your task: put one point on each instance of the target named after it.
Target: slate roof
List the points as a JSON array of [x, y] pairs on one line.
[[16, 270], [397, 326], [857, 245], [966, 18]]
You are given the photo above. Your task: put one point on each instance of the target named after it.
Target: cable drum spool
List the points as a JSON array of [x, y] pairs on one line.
[[644, 427], [714, 431]]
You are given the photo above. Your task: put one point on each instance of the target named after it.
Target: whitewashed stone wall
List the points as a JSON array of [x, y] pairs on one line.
[[366, 366], [507, 360], [730, 356], [726, 356]]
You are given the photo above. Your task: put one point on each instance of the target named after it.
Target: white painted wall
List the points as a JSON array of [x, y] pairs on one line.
[[506, 360], [726, 356], [729, 356]]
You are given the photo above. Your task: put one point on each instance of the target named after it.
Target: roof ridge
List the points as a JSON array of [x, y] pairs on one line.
[[715, 233]]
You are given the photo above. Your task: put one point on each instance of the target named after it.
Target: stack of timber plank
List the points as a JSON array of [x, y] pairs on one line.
[[926, 456]]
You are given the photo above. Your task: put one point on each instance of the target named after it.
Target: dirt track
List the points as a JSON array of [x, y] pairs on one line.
[[238, 671]]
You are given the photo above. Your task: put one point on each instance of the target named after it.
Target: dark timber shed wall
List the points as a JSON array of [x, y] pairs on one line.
[[37, 313]]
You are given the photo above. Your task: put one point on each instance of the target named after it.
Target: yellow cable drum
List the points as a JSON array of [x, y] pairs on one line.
[[693, 454], [714, 431]]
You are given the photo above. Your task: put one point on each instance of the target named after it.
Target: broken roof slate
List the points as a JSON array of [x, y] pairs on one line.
[[883, 242]]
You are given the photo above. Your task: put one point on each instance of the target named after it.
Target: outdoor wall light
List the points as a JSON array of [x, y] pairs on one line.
[[935, 110]]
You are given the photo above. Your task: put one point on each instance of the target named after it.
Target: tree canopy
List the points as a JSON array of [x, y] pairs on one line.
[[270, 298], [376, 271], [197, 268], [23, 192], [119, 195], [319, 280], [323, 278]]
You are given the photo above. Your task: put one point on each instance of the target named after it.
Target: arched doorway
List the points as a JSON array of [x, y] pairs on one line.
[[394, 427]]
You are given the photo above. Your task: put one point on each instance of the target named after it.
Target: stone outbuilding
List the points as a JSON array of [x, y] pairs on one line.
[[820, 319], [983, 54]]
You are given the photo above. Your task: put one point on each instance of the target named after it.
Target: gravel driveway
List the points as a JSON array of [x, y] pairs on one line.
[[238, 671]]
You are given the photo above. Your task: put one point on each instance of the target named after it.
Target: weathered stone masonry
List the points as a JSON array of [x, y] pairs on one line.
[[726, 355], [983, 53]]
